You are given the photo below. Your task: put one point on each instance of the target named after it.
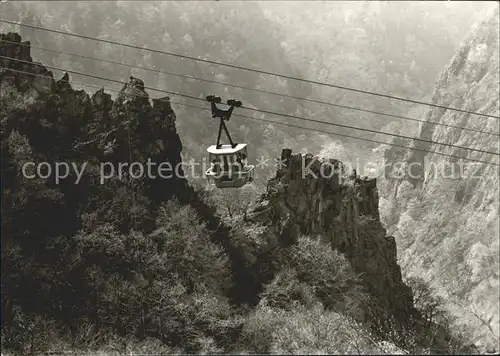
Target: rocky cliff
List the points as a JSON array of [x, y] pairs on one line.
[[445, 212], [316, 197]]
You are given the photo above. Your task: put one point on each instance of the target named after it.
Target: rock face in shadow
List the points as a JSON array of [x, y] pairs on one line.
[[317, 197]]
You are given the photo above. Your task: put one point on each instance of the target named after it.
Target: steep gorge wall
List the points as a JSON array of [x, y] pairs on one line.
[[445, 212]]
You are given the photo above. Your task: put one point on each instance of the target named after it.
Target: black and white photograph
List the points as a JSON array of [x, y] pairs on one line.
[[250, 177]]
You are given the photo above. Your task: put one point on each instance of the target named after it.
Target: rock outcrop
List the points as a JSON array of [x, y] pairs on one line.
[[131, 129], [314, 197]]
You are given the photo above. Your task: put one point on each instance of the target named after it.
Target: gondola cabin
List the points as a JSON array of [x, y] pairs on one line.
[[229, 167]]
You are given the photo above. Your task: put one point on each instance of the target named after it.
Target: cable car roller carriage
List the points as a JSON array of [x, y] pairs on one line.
[[229, 166]]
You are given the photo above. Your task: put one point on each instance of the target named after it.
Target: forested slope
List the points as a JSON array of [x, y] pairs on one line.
[[79, 262], [395, 48]]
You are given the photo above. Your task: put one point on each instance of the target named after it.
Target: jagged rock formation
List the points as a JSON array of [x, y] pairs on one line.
[[445, 212], [127, 130], [316, 197]]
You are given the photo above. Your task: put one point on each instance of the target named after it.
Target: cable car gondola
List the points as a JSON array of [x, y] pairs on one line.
[[229, 167]]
